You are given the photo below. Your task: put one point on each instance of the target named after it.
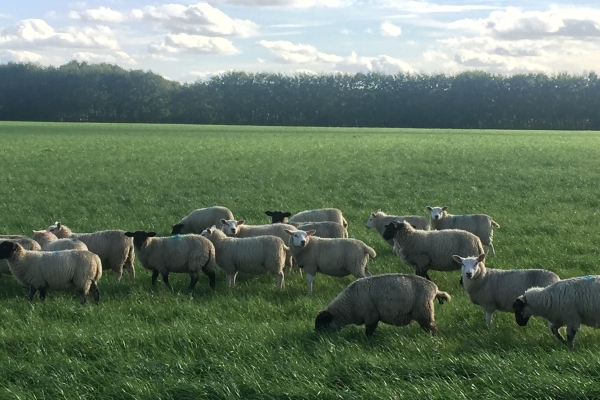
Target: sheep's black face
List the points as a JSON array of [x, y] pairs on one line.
[[278, 216], [519, 306], [323, 322], [177, 229], [6, 249], [390, 230], [139, 237]]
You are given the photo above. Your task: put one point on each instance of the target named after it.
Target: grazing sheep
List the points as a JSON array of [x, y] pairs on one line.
[[380, 219], [112, 246], [179, 254], [27, 243], [334, 257], [496, 289], [60, 270], [324, 229], [394, 299], [322, 214], [199, 220], [478, 224], [425, 250], [571, 302], [50, 242], [254, 255]]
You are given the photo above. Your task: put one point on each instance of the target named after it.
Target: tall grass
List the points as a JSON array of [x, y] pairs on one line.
[[253, 341]]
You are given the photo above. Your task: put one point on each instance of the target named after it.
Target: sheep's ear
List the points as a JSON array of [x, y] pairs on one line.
[[287, 214], [373, 214], [129, 234], [481, 257], [414, 226], [428, 208], [444, 208], [311, 232], [289, 232], [269, 213], [223, 221], [241, 222], [458, 259], [151, 234], [58, 225], [209, 230], [213, 227], [324, 317], [520, 302]]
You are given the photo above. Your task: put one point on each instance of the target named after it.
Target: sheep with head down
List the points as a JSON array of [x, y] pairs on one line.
[[380, 219], [50, 242], [320, 214], [200, 219], [24, 241]]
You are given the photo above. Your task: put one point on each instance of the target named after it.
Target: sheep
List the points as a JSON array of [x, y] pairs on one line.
[[179, 254], [572, 302], [431, 250], [200, 219], [334, 257], [325, 229], [50, 242], [322, 214], [496, 289], [480, 224], [380, 219], [27, 243], [395, 299], [112, 246], [60, 270], [254, 255]]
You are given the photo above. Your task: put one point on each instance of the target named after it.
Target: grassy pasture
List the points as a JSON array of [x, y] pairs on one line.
[[254, 342]]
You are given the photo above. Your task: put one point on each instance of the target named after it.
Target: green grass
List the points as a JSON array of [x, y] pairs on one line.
[[254, 342]]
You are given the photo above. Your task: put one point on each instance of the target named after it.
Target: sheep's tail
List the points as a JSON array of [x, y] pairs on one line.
[[370, 251], [495, 224], [285, 248], [344, 222], [442, 296]]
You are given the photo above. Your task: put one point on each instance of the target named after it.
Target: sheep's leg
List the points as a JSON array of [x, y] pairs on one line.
[[211, 277], [193, 280], [490, 248], [571, 332], [370, 328], [165, 278], [280, 281], [309, 281], [230, 280], [130, 272], [367, 272], [32, 291], [488, 317], [43, 291], [95, 291], [154, 276], [82, 297], [554, 329], [129, 264], [428, 326], [423, 273]]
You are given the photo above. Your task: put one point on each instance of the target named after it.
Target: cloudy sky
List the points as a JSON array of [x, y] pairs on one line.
[[188, 41]]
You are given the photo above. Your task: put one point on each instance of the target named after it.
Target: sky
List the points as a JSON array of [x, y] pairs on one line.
[[185, 41]]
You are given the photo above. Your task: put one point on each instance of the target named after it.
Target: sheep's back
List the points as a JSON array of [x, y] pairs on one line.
[[203, 218], [250, 254]]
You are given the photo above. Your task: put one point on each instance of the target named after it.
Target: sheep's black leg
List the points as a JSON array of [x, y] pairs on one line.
[[554, 329], [95, 292], [211, 277], [43, 291], [193, 280], [82, 298], [370, 328], [571, 337], [154, 276], [426, 276], [165, 278], [461, 281], [32, 291]]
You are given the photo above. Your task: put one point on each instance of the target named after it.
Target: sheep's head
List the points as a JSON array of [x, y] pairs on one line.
[[209, 231], [372, 219], [278, 216], [140, 237], [55, 227], [325, 321], [300, 238], [522, 314], [397, 228], [177, 229], [230, 227], [7, 249], [437, 212], [470, 266]]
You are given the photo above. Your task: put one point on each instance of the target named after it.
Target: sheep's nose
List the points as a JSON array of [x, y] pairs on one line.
[[469, 275], [303, 242]]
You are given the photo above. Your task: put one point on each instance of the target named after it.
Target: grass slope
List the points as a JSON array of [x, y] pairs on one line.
[[254, 342]]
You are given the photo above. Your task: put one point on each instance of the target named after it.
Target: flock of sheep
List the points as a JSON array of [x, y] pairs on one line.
[[315, 241]]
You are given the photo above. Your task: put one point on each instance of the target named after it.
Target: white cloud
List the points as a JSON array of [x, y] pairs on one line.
[[203, 75], [389, 29], [19, 56], [196, 19], [101, 14], [289, 3], [174, 43], [289, 53], [384, 64], [118, 57], [423, 7], [37, 33]]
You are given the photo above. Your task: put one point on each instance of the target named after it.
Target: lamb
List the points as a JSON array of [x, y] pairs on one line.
[[380, 219], [322, 214], [24, 241], [334, 257], [479, 224], [431, 250], [50, 242], [571, 302], [496, 289], [200, 219], [179, 254], [254, 255], [395, 299], [112, 246], [61, 270]]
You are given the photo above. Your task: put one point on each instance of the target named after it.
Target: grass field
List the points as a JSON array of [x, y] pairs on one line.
[[253, 341]]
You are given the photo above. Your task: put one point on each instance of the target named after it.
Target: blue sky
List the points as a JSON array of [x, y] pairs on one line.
[[188, 41]]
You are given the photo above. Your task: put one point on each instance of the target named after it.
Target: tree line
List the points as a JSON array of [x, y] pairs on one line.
[[475, 99]]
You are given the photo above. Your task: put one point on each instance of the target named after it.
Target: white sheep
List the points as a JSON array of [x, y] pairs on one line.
[[112, 246], [479, 224], [179, 254], [333, 257], [571, 302], [321, 214], [50, 242], [394, 299], [60, 270], [254, 255], [497, 289], [27, 243], [380, 219], [200, 219], [324, 229], [431, 250]]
